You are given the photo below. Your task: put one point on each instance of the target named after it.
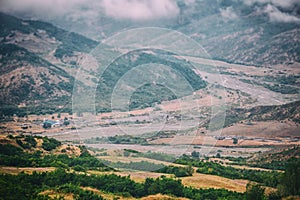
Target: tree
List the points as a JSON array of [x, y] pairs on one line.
[[47, 125], [274, 196], [254, 192], [291, 178], [235, 140], [66, 122], [195, 154]]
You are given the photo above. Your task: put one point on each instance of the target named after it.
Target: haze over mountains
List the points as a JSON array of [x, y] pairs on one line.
[[250, 32], [39, 61], [196, 99]]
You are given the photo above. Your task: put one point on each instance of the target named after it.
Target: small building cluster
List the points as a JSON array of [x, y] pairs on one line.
[[55, 123]]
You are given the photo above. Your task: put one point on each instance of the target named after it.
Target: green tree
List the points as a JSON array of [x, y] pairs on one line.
[[291, 178], [47, 125], [235, 140], [254, 192], [195, 154]]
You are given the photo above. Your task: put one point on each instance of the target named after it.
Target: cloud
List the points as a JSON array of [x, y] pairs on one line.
[[228, 13], [55, 7], [189, 2], [283, 11], [276, 15], [140, 9], [277, 3], [118, 9]]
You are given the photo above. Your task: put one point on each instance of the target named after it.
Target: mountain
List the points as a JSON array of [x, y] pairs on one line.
[[205, 90], [148, 85], [288, 111], [26, 76], [256, 33], [38, 61], [240, 33]]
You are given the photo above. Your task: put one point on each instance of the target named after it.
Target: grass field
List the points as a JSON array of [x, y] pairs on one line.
[[27, 170], [217, 182], [197, 180], [109, 196], [136, 159], [55, 195], [137, 176]]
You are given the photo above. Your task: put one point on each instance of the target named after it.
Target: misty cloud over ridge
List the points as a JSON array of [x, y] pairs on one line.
[[228, 13], [279, 3], [282, 11], [135, 10], [89, 12], [140, 9], [276, 15]]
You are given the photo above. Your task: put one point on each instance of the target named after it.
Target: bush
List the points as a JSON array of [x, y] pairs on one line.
[[79, 168], [50, 143], [177, 171], [291, 178], [255, 192]]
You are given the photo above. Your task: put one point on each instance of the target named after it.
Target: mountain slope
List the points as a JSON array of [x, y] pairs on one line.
[[247, 37], [288, 111], [234, 30], [38, 62], [26, 77], [12, 30]]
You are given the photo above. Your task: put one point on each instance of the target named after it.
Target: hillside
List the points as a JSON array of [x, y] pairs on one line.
[[276, 158], [52, 56], [235, 31], [39, 63], [241, 33], [35, 71], [47, 162], [41, 37], [26, 77], [148, 85], [286, 112]]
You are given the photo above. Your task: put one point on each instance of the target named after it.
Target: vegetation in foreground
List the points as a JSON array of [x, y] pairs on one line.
[[266, 178], [30, 186], [71, 175]]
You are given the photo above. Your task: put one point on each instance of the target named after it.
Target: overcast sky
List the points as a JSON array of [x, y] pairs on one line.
[[118, 9], [139, 10]]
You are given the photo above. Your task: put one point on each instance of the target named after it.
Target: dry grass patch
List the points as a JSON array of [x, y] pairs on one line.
[[107, 196], [27, 170], [70, 150], [292, 198], [162, 197], [217, 182], [55, 195], [137, 176], [136, 159], [251, 168]]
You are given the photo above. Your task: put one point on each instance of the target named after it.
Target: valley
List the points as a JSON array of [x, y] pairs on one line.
[[150, 100], [187, 129]]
